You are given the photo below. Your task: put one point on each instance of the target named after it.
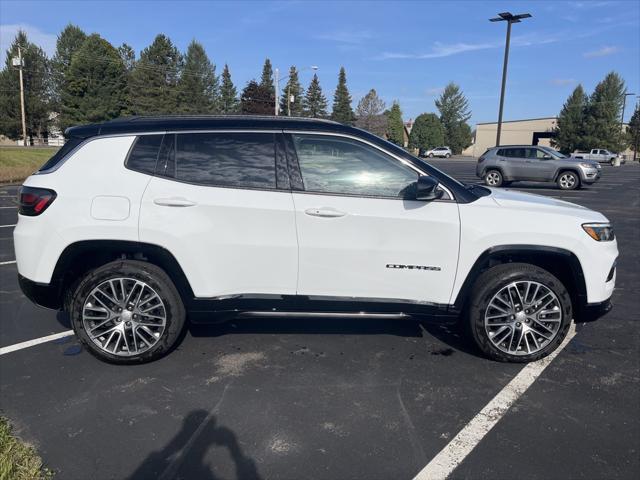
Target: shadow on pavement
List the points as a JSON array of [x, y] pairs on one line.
[[185, 455]]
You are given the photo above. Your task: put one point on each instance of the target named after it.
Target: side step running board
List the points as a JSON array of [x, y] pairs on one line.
[[323, 314]]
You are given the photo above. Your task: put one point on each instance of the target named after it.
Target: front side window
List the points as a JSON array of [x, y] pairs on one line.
[[341, 165], [243, 160]]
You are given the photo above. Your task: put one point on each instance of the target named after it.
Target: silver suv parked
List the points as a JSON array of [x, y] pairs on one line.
[[499, 166]]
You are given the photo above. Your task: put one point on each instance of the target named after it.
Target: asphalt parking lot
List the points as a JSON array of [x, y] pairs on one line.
[[328, 398]]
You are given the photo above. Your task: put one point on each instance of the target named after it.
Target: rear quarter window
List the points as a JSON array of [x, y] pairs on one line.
[[143, 155], [61, 154]]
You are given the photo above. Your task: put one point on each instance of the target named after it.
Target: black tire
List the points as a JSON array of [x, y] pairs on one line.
[[568, 180], [493, 178], [431, 155], [448, 155], [492, 281], [612, 162], [154, 277]]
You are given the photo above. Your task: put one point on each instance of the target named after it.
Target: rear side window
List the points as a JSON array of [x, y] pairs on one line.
[[61, 154], [144, 154], [226, 159]]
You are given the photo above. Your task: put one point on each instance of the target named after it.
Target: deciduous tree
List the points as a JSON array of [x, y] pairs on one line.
[[256, 99], [427, 132], [342, 111], [370, 114]]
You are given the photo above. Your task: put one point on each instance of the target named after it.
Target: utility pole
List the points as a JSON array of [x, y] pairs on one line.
[[24, 121], [277, 108], [509, 18], [624, 103]]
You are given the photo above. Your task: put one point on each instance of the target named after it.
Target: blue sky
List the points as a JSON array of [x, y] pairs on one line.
[[405, 50]]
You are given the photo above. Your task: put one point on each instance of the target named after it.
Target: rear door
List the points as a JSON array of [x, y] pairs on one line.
[[360, 232], [515, 165], [221, 206]]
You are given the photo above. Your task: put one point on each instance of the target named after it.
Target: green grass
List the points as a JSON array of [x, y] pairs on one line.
[[17, 163], [18, 460]]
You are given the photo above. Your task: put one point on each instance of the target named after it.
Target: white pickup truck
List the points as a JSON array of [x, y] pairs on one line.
[[599, 155]]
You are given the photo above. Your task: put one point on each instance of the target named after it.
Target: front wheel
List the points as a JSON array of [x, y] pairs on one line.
[[519, 313], [448, 155], [127, 311], [431, 155], [493, 178], [568, 181]]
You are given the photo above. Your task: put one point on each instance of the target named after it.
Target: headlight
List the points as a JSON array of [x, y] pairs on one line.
[[587, 165], [600, 232]]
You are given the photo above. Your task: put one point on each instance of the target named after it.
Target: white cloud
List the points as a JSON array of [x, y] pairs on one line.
[[8, 32], [562, 81], [432, 92], [601, 52], [439, 50], [351, 37]]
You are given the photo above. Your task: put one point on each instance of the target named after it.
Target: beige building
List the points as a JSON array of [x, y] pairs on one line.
[[533, 131]]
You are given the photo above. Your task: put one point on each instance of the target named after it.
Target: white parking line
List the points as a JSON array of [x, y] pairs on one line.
[[8, 263], [445, 462], [8, 207], [36, 341], [7, 226]]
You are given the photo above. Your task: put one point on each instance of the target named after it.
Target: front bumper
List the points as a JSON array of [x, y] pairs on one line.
[[45, 295], [593, 311], [590, 175]]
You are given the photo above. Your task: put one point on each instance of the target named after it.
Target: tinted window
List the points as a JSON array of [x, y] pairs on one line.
[[515, 152], [226, 159], [61, 153], [345, 166], [144, 154]]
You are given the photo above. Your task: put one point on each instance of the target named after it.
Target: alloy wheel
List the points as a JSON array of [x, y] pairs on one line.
[[523, 317], [124, 316], [493, 178], [567, 181]]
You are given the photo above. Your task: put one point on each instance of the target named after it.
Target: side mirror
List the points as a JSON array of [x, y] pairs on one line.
[[427, 188], [546, 157]]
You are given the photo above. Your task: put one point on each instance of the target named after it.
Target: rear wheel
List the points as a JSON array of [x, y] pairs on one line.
[[519, 313], [431, 155], [493, 178], [568, 181], [127, 311], [612, 162], [448, 155]]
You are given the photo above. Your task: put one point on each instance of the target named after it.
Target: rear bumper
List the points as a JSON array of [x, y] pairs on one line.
[[43, 294]]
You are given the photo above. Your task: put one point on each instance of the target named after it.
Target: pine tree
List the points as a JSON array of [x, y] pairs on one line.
[[94, 87], [427, 132], [292, 89], [454, 114], [256, 99], [153, 86], [370, 114], [198, 86], [395, 127], [342, 111], [229, 103], [36, 90], [315, 103], [569, 131], [128, 56], [602, 119], [266, 79], [69, 42]]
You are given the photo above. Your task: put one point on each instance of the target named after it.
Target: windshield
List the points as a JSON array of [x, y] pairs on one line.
[[553, 153]]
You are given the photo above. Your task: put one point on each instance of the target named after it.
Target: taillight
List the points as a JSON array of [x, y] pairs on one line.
[[33, 201]]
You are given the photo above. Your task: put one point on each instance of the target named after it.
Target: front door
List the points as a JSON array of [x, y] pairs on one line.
[[361, 234]]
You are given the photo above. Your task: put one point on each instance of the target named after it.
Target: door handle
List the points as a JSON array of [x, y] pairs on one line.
[[174, 202], [326, 212]]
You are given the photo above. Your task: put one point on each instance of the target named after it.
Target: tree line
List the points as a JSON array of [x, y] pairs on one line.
[[594, 121], [89, 80]]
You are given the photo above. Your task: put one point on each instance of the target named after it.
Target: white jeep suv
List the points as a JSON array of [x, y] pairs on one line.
[[140, 225]]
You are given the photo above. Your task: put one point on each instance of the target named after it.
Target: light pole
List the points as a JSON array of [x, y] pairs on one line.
[[277, 79], [509, 18]]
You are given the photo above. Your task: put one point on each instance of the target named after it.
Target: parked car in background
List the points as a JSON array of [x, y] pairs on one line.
[[499, 166], [599, 155], [443, 152]]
